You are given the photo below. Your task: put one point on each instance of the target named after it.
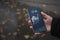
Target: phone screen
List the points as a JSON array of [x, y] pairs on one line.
[[37, 19]]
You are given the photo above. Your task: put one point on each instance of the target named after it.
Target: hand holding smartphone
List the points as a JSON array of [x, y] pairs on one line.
[[37, 19]]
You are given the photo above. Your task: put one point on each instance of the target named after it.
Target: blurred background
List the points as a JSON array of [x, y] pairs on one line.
[[13, 18]]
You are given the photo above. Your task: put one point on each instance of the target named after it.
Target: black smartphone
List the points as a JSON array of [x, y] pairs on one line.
[[35, 16]]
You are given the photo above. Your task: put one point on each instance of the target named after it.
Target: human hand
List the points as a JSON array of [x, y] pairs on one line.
[[47, 20]]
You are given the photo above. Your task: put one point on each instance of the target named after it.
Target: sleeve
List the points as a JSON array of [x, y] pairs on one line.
[[55, 27]]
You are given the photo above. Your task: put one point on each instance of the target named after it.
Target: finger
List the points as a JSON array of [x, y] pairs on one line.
[[31, 27], [37, 33], [29, 23], [45, 20], [44, 15]]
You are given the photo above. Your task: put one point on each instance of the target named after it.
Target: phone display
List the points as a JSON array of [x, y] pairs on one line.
[[37, 19]]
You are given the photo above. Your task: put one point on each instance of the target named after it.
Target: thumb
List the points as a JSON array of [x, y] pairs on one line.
[[44, 15]]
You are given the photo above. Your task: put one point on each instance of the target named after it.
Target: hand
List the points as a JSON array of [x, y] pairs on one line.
[[47, 20]]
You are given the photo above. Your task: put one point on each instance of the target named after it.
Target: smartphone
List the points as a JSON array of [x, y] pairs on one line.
[[35, 16]]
